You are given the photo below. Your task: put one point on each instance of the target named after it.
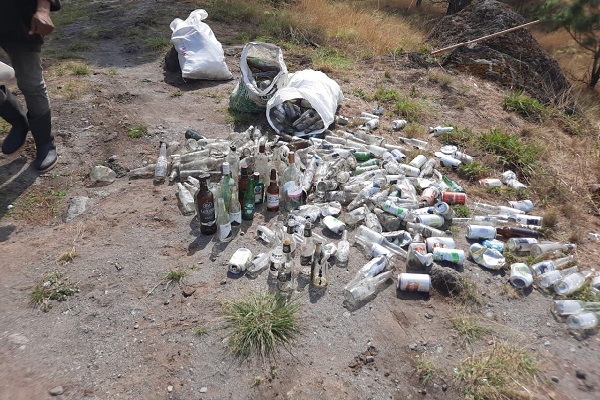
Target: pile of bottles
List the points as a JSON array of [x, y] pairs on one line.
[[296, 117]]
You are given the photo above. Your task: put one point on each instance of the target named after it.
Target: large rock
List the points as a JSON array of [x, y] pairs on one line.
[[514, 59]]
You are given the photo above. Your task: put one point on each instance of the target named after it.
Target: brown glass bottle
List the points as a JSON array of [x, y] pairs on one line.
[[205, 205], [510, 232], [273, 192], [243, 184]]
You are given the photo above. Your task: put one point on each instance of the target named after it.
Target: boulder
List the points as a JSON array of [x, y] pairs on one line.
[[514, 60]]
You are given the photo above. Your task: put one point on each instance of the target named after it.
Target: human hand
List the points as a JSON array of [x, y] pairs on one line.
[[41, 23]]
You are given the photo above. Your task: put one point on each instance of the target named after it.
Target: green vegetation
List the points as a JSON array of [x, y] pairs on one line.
[[409, 108], [387, 95], [461, 210], [175, 275], [54, 286], [497, 374], [137, 131], [36, 204], [526, 106], [258, 324], [468, 328], [474, 171], [426, 370], [511, 151], [201, 331]]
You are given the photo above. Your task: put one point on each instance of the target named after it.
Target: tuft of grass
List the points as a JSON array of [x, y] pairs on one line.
[[175, 275], [157, 43], [4, 126], [440, 78], [426, 370], [239, 118], [38, 204], [361, 94], [468, 328], [525, 106], [176, 93], [330, 60], [460, 137], [137, 131], [511, 151], [584, 293], [411, 109], [469, 294], [461, 210], [54, 286], [386, 95], [67, 256], [259, 324], [474, 171], [497, 374], [201, 331], [79, 69]]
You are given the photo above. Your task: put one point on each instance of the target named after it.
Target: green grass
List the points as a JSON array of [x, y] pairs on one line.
[[54, 286], [525, 106], [474, 171], [468, 328], [175, 275], [4, 126], [38, 204], [409, 108], [387, 95], [461, 210], [201, 331], [137, 131], [259, 324], [499, 373], [361, 94], [460, 137], [426, 370], [157, 43], [511, 151], [330, 60]]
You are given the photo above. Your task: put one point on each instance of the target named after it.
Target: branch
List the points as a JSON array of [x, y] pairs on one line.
[[578, 41]]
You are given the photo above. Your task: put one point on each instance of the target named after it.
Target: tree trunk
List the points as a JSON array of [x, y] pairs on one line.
[[455, 6], [595, 71]]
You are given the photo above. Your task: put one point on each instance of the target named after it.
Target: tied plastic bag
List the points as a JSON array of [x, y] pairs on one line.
[[263, 72], [6, 72], [200, 53], [306, 105]]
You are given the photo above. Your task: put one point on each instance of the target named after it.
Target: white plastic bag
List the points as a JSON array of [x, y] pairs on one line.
[[322, 92], [6, 72], [200, 53]]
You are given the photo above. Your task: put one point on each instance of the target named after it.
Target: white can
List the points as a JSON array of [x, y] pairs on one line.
[[438, 241], [334, 224], [443, 209], [409, 170], [240, 260], [418, 161], [434, 220], [490, 182], [520, 275], [467, 159], [480, 232], [523, 205], [446, 160], [520, 244], [456, 256], [398, 124], [372, 124], [414, 282]]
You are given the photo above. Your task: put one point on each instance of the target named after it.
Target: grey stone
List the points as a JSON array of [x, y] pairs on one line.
[[77, 206], [56, 391], [580, 374]]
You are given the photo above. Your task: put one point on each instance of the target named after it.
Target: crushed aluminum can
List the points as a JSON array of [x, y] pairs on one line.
[[240, 260]]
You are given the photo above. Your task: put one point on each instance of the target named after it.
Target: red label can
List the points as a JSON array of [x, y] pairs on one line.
[[454, 198]]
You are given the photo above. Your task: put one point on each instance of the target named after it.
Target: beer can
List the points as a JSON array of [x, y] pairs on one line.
[[443, 209], [445, 242], [429, 195], [240, 260], [490, 182], [520, 244], [465, 158], [398, 124], [520, 275], [448, 161], [414, 282], [418, 161], [454, 198], [434, 220], [456, 256], [409, 170]]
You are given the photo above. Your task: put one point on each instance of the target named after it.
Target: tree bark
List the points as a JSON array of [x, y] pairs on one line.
[[455, 6]]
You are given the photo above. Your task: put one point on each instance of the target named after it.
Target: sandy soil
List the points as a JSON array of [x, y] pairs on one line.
[[115, 339]]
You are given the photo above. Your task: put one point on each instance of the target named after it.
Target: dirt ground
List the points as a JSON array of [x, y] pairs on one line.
[[129, 334]]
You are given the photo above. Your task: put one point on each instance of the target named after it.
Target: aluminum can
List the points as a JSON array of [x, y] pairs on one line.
[[456, 256], [414, 282], [454, 198]]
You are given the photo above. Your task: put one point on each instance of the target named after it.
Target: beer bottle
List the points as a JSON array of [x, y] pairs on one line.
[[248, 202], [205, 204], [273, 192]]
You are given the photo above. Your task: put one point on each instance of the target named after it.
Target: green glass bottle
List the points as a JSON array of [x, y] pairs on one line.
[[362, 155], [248, 202]]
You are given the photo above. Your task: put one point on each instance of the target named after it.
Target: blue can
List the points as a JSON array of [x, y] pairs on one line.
[[494, 244]]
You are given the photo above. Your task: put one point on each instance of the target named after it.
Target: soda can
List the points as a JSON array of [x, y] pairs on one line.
[[240, 260], [445, 242], [372, 123], [490, 182], [520, 275], [443, 209], [456, 256], [494, 244], [520, 244], [454, 198], [523, 205], [414, 282], [448, 161], [418, 161], [398, 124], [467, 159], [434, 220], [409, 170], [429, 195], [480, 232]]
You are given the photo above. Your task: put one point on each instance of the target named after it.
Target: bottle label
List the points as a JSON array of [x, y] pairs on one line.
[[207, 213], [306, 260], [272, 200], [249, 209], [284, 276], [236, 218], [225, 231], [292, 190], [259, 191]]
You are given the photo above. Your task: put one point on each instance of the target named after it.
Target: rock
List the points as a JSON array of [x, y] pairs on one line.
[[554, 379], [444, 387], [170, 388], [514, 59], [56, 391], [77, 206], [18, 339], [580, 374], [412, 346], [446, 280], [203, 389], [370, 359]]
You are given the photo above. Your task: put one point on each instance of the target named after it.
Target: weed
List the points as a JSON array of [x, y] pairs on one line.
[[256, 380], [54, 286], [512, 153], [511, 292], [426, 370], [526, 106], [258, 324], [239, 118], [412, 109], [175, 275], [201, 331], [468, 328], [460, 137], [496, 374], [440, 77], [474, 171], [361, 94], [78, 69], [137, 131], [157, 43], [329, 60], [4, 126], [584, 293], [550, 219], [386, 95], [38, 204], [461, 210], [469, 294], [176, 93], [68, 256]]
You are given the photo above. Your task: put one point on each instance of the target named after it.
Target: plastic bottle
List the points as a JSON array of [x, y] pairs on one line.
[[486, 257], [185, 200], [160, 169], [223, 222], [588, 320], [343, 251], [571, 307], [571, 282]]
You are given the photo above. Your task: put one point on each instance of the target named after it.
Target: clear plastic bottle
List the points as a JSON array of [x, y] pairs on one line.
[[570, 307], [343, 251], [160, 169]]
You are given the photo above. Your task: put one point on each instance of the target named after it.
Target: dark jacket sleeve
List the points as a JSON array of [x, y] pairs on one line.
[[54, 5]]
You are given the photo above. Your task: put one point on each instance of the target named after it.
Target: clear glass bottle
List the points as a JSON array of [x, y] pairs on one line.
[[223, 222], [319, 270], [571, 282], [289, 234], [541, 248], [550, 265], [291, 191], [587, 320], [233, 158], [235, 210], [343, 251], [307, 249], [261, 164], [258, 264], [285, 276], [549, 278], [185, 200], [371, 220], [365, 288], [570, 307], [160, 169], [205, 207], [225, 183]]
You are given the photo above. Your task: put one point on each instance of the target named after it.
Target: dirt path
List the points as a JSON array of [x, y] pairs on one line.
[[130, 334]]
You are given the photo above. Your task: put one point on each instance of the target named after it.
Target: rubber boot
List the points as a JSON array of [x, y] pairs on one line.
[[46, 156], [10, 110]]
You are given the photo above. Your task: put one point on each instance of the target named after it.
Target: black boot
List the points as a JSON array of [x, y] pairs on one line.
[[11, 111], [41, 129]]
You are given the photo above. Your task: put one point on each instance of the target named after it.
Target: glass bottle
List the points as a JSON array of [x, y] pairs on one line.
[[259, 189], [307, 250], [233, 159], [511, 232], [587, 320], [243, 184], [292, 185], [571, 282], [261, 165], [371, 220], [160, 169], [520, 244], [550, 265], [549, 278], [235, 210], [343, 251], [541, 248], [205, 205], [273, 193], [225, 183], [248, 202], [569, 307], [285, 274], [319, 269], [289, 234], [223, 222], [365, 288], [185, 200]]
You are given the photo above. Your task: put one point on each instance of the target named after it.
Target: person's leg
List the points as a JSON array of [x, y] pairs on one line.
[[11, 112], [30, 79]]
